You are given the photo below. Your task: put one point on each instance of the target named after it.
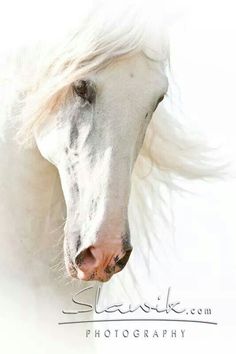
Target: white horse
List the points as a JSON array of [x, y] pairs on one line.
[[82, 127]]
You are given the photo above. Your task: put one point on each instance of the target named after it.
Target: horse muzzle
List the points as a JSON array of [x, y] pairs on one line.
[[99, 262]]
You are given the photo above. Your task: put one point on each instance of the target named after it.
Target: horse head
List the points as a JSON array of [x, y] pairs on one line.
[[93, 139]]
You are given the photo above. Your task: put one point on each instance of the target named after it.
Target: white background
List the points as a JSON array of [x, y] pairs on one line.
[[203, 57]]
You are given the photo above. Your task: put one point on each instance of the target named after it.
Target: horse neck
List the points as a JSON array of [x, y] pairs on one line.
[[32, 205]]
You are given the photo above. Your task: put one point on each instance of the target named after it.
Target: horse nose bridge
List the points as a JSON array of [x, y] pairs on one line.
[[106, 174], [99, 223], [103, 213]]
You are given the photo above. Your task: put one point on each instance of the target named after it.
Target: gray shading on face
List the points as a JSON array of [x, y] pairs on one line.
[[85, 93], [74, 133]]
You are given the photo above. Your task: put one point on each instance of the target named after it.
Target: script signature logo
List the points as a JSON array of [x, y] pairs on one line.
[[168, 307]]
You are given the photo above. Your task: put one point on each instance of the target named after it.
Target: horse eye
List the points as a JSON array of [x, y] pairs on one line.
[[85, 89]]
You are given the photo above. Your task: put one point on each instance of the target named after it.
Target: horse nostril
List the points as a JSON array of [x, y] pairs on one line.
[[85, 258], [91, 263], [122, 262]]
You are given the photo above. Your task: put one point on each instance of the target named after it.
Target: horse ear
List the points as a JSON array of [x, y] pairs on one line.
[[85, 89]]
